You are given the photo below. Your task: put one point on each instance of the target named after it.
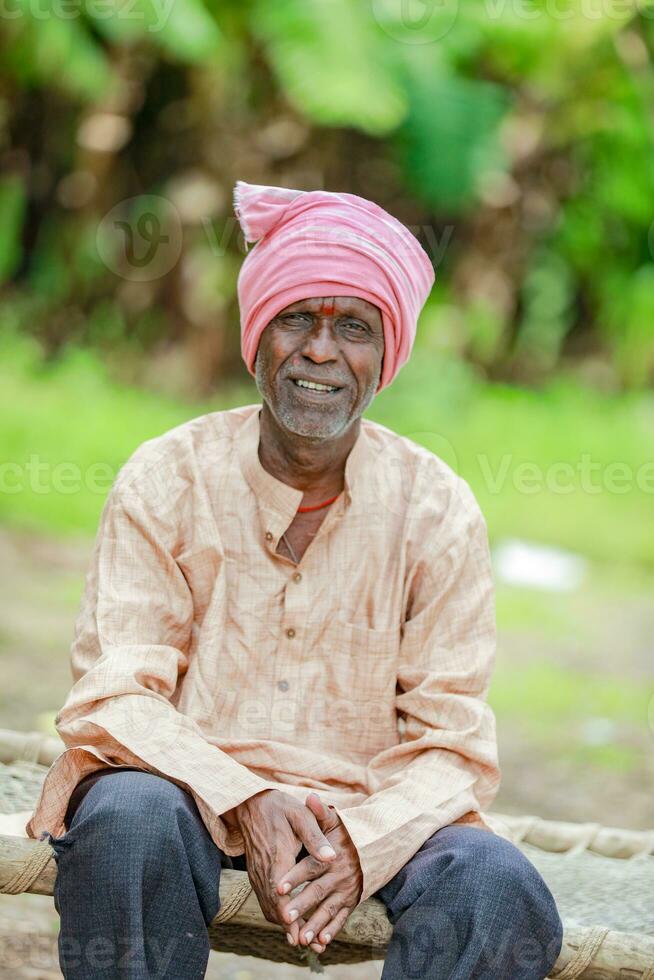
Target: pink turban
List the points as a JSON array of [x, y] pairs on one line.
[[319, 243]]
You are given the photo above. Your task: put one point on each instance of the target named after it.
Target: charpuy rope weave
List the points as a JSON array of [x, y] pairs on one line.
[[584, 954], [33, 866], [238, 896]]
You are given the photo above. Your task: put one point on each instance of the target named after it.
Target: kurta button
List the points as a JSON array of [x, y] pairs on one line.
[[282, 685], [290, 632], [269, 536], [297, 577]]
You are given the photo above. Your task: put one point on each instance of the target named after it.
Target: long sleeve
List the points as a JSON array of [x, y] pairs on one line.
[[131, 647], [445, 769]]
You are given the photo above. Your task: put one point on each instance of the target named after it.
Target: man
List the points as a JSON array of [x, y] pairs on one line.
[[284, 648]]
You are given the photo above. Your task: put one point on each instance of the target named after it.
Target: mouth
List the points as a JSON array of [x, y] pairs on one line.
[[314, 394]]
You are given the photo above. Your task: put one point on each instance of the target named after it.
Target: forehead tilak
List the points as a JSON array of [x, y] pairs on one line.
[[327, 306]]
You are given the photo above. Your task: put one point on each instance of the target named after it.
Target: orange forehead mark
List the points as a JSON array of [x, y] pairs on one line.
[[327, 307]]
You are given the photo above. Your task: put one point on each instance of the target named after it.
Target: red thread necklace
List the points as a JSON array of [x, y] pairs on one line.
[[331, 500]]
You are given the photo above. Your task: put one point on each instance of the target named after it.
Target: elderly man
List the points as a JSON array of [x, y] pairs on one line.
[[284, 649]]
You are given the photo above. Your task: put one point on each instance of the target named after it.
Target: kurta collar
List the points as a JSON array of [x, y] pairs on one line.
[[273, 494]]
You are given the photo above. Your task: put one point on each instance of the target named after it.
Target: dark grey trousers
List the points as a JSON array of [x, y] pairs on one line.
[[138, 875]]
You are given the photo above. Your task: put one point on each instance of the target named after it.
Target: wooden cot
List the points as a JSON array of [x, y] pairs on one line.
[[601, 877]]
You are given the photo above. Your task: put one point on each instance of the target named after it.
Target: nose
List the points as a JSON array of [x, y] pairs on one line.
[[320, 343]]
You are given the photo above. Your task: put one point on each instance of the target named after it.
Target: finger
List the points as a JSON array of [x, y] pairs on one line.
[[292, 936], [327, 933], [287, 909], [293, 930], [282, 865], [311, 897], [319, 920], [305, 870], [308, 830]]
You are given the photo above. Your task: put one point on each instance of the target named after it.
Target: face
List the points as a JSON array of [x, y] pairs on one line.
[[336, 341]]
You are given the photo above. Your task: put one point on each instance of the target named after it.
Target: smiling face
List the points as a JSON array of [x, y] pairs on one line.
[[336, 341]]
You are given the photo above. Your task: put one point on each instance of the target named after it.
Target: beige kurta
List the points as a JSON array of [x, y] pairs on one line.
[[362, 673]]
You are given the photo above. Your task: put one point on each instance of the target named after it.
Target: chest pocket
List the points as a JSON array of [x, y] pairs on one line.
[[361, 674]]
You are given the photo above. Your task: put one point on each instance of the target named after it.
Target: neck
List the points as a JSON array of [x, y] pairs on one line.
[[316, 466]]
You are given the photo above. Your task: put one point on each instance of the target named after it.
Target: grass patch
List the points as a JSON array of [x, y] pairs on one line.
[[549, 613], [552, 706], [67, 590], [612, 756], [559, 694]]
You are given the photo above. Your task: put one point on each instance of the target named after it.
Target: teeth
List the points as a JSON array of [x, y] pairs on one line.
[[312, 384]]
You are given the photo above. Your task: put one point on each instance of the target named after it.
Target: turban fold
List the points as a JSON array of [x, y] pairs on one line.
[[321, 243]]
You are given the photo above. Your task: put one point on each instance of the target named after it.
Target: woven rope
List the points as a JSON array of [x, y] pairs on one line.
[[20, 784], [584, 955], [33, 867], [236, 899], [587, 836], [574, 838]]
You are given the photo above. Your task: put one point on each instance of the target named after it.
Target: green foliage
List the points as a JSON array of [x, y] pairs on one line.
[[525, 127], [12, 213], [449, 139], [628, 301], [547, 309], [331, 62], [183, 29], [42, 47]]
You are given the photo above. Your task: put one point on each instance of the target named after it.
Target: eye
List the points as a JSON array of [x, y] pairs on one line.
[[295, 317], [357, 325]]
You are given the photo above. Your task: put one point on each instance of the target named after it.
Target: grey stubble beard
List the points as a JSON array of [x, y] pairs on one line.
[[313, 425]]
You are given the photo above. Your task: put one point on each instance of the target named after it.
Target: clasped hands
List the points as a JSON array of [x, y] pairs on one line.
[[274, 826]]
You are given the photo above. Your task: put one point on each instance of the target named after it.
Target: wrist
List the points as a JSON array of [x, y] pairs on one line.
[[232, 817]]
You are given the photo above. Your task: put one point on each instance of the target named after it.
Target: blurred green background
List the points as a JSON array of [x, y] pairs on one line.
[[516, 139]]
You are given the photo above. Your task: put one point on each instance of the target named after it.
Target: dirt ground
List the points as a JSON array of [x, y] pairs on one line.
[[40, 587]]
